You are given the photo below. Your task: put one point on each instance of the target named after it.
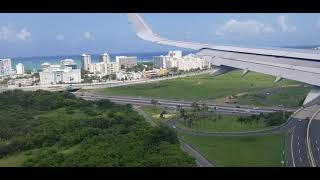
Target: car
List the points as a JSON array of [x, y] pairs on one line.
[[174, 127], [299, 120]]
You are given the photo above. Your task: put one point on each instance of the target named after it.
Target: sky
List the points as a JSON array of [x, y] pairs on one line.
[[45, 34]]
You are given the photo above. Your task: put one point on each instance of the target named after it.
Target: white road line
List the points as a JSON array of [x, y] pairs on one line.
[[318, 149], [298, 137], [298, 143], [294, 165], [317, 142], [300, 159], [299, 151], [309, 151]]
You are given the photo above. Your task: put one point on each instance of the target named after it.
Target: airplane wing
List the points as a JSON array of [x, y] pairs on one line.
[[294, 64]]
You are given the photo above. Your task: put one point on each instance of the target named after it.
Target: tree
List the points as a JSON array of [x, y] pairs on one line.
[[113, 76], [154, 102], [174, 69], [163, 133], [205, 107], [162, 113], [195, 107]]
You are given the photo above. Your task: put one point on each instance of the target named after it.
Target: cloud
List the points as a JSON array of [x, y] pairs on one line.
[[24, 34], [88, 35], [282, 23], [248, 28], [8, 33], [60, 37]]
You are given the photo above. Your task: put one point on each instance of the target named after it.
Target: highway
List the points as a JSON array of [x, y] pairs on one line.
[[226, 109], [314, 140], [298, 154], [298, 127]]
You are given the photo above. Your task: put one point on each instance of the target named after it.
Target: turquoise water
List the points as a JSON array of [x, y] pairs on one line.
[[35, 62]]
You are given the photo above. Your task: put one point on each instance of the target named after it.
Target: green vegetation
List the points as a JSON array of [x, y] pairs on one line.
[[288, 97], [57, 129], [240, 151], [200, 119], [154, 114], [202, 87], [17, 159], [222, 123], [141, 66]]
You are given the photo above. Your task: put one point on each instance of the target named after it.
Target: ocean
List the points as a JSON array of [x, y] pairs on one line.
[[35, 62]]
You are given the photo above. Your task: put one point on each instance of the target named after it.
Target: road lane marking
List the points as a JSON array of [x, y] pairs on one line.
[[294, 165], [317, 142], [309, 151], [299, 151], [318, 149], [300, 159], [298, 143], [298, 137]]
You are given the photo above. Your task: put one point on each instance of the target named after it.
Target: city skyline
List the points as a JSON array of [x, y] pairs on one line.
[[23, 35]]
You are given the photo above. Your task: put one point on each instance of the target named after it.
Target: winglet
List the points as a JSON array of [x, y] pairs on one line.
[[141, 28], [144, 32]]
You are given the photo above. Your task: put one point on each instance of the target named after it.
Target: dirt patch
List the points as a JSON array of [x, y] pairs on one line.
[[165, 115]]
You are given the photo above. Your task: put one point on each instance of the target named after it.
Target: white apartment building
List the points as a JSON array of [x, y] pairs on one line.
[[54, 74], [126, 61], [175, 54], [174, 59], [104, 58], [85, 62], [20, 69], [12, 83], [161, 61], [104, 68], [5, 67]]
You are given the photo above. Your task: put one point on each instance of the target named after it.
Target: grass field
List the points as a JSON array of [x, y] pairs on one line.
[[265, 151], [202, 87], [17, 159], [227, 123], [288, 96], [154, 113]]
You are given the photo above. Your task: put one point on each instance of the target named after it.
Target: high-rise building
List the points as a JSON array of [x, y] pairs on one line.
[[185, 63], [54, 74], [85, 62], [20, 69], [5, 67], [126, 61], [104, 58], [161, 61], [175, 54]]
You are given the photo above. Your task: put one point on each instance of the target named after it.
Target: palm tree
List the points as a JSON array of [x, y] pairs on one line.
[[154, 102]]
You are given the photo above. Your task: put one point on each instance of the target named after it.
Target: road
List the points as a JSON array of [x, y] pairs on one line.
[[199, 158], [314, 140], [224, 109], [297, 146], [297, 151], [143, 114]]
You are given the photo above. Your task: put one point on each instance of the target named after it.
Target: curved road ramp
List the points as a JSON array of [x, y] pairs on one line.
[[304, 137]]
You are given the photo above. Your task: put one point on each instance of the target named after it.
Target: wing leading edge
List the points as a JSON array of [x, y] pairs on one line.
[[289, 64]]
